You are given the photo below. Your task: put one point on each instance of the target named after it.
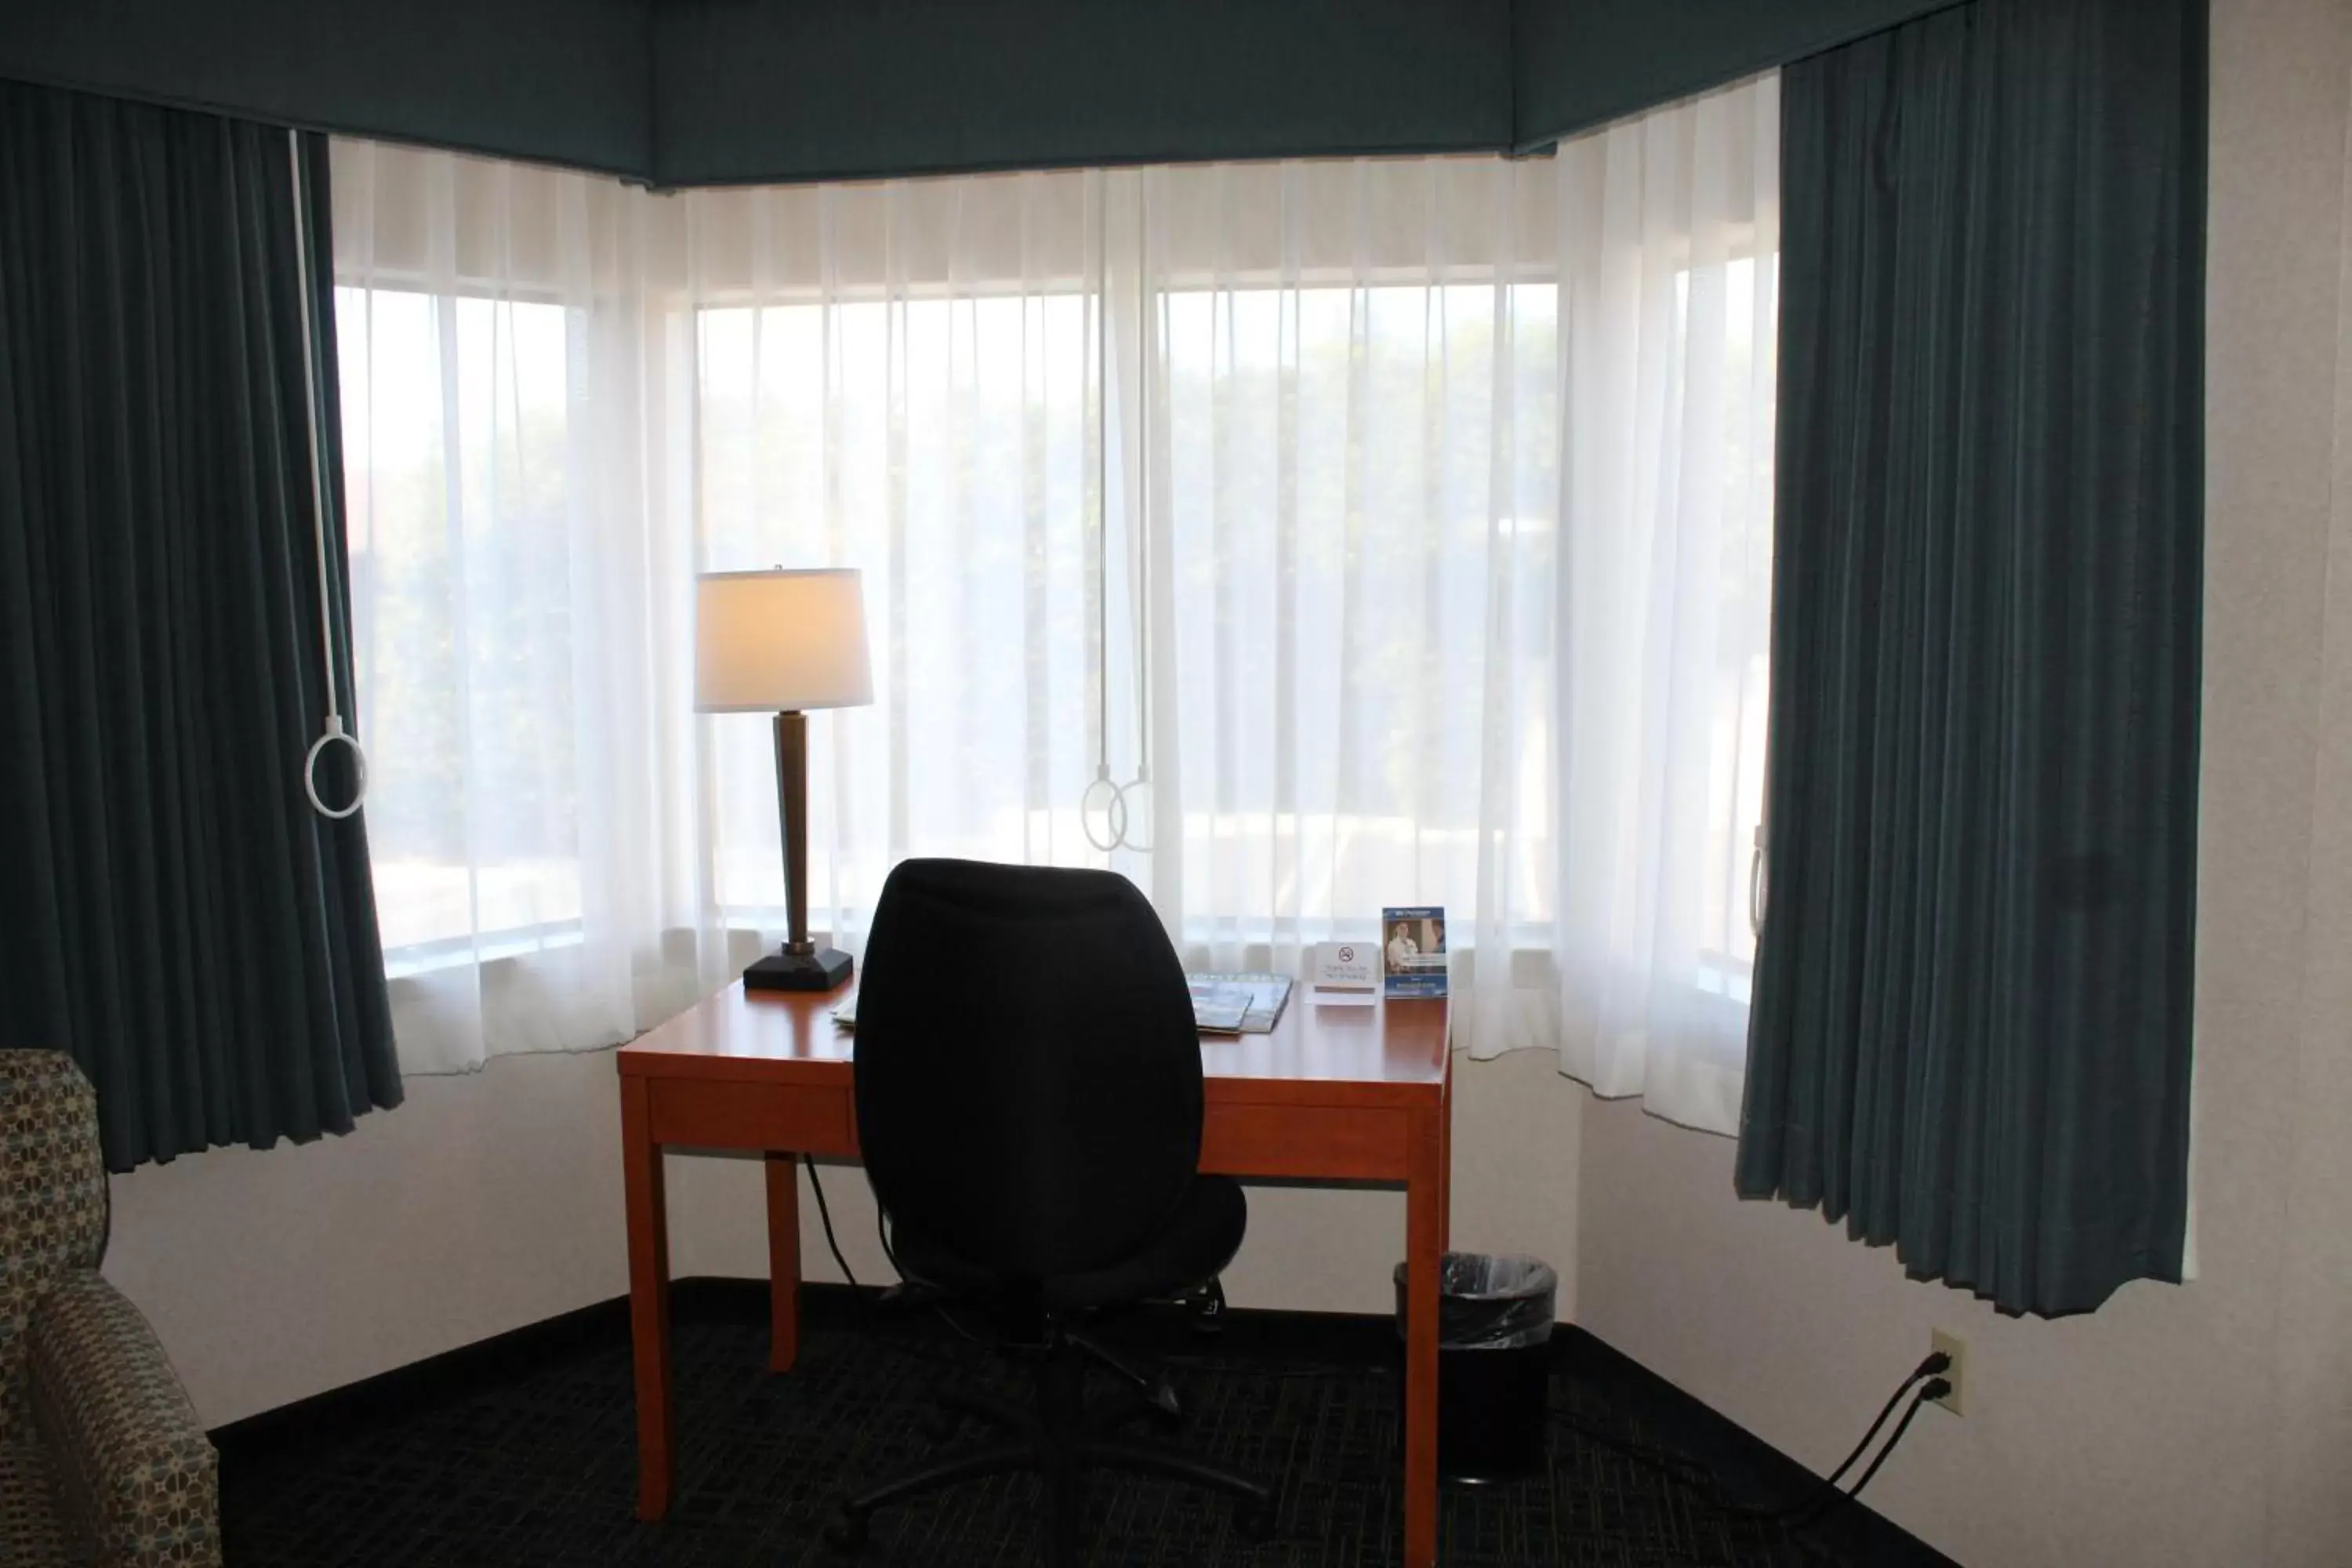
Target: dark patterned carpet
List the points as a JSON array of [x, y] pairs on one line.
[[535, 1464]]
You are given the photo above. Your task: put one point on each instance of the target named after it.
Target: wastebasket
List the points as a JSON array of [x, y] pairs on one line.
[[1494, 1362]]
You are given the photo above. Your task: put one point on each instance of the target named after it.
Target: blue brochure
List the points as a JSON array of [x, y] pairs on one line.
[[1412, 951]]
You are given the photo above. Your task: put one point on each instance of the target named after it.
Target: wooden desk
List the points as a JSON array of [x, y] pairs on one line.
[[1332, 1094]]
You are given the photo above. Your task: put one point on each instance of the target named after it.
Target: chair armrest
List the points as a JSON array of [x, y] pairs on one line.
[[138, 1479]]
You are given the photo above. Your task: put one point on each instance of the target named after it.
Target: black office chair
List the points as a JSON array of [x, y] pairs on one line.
[[1029, 1114]]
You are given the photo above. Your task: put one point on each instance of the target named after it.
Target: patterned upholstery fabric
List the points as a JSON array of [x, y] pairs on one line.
[[52, 1196], [32, 1531], [102, 1460], [138, 1477]]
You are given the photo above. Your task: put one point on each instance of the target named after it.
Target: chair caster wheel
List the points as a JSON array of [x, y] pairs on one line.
[[845, 1532], [1256, 1523], [1166, 1410]]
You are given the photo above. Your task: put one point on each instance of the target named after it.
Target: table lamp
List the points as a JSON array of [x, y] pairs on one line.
[[784, 642]]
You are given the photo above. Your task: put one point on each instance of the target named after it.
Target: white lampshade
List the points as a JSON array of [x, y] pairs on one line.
[[776, 642]]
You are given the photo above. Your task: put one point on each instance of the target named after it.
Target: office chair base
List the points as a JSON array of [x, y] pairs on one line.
[[1061, 1439], [953, 1407], [1062, 1465], [1154, 1388]]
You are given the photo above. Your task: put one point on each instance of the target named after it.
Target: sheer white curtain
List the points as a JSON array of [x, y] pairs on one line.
[[1296, 539], [1669, 244], [1462, 508], [520, 590], [1354, 414], [904, 378]]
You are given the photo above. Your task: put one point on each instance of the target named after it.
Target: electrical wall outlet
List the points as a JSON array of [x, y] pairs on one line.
[[1957, 1375]]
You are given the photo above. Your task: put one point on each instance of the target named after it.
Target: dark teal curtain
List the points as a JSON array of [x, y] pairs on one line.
[[1970, 1029], [172, 911]]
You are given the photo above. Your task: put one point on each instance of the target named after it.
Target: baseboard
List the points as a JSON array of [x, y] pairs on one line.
[[1347, 1339], [1751, 1466], [1685, 1427], [503, 1358]]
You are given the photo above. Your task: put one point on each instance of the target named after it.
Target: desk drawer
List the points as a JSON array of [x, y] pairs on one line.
[[1314, 1141], [712, 1114]]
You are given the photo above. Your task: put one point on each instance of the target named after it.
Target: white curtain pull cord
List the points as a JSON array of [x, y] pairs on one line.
[[334, 732], [1106, 796]]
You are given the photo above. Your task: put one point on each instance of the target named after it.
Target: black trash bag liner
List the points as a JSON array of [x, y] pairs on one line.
[[1489, 1302]]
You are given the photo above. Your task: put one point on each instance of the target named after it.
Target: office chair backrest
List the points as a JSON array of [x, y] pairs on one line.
[[1028, 1071]]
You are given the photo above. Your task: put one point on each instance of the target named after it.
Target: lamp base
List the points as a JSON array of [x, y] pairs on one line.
[[820, 971]]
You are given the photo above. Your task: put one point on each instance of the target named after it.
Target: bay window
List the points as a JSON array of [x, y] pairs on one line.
[[1294, 539]]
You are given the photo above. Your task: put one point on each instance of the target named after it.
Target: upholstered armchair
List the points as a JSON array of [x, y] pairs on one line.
[[102, 1461]]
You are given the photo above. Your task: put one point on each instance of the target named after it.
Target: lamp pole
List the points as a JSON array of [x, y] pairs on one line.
[[792, 809]]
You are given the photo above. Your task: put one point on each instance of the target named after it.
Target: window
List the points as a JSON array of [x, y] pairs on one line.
[[1349, 467], [1395, 530], [1742, 676], [456, 478], [1340, 484], [941, 445]]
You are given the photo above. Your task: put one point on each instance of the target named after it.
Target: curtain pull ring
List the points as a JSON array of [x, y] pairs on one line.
[[1756, 895]]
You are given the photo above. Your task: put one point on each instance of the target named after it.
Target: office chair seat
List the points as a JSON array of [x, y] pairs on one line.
[[1193, 1248]]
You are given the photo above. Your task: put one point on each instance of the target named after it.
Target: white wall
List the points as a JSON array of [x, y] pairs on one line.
[[2207, 1424], [482, 1203]]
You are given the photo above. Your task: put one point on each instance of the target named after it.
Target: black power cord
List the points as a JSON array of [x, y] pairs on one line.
[[869, 1302], [1806, 1510], [824, 1213], [882, 1235], [1934, 1388], [1931, 1369], [833, 1244]]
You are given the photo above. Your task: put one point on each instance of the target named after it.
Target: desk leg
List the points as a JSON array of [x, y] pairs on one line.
[[784, 1261], [648, 1219], [1424, 1240]]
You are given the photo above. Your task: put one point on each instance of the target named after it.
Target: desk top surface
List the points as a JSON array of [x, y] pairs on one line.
[[791, 1036]]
